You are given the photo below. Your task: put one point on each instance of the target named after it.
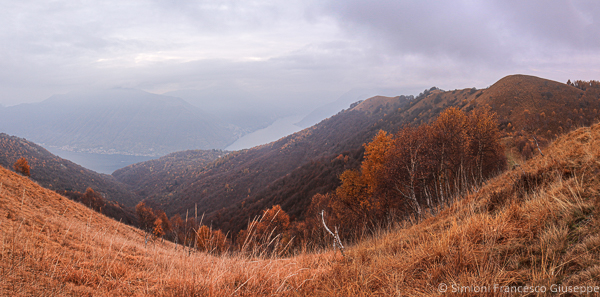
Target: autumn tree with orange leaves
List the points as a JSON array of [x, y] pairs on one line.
[[213, 241], [269, 233], [22, 166], [146, 218], [416, 169], [430, 164]]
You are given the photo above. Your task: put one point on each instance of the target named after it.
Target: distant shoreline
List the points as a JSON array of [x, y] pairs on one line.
[[101, 163]]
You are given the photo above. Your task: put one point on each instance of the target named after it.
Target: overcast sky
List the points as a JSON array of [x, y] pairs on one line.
[[290, 52]]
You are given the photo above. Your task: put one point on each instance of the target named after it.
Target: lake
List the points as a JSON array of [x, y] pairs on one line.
[[109, 163], [280, 128], [99, 162]]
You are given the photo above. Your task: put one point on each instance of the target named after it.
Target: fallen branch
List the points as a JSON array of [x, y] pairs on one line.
[[336, 237], [538, 146]]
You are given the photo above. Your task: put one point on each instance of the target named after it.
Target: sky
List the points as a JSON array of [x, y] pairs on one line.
[[291, 53]]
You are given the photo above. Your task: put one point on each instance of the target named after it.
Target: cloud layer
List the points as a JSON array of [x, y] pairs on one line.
[[291, 53]]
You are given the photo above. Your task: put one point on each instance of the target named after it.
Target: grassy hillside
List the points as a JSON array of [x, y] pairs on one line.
[[535, 226], [544, 107], [53, 246], [59, 174]]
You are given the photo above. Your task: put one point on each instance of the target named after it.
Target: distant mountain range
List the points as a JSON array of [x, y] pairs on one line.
[[122, 121], [233, 105]]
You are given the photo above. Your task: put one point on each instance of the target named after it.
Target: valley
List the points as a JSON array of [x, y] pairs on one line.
[[258, 208], [299, 148], [54, 246]]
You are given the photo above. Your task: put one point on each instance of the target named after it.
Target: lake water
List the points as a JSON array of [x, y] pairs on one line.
[[99, 162], [109, 163], [280, 128]]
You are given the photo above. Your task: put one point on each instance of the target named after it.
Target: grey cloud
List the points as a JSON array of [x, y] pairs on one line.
[[571, 24], [420, 27], [293, 53], [492, 32]]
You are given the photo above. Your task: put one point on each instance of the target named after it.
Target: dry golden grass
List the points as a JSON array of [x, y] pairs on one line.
[[537, 225], [50, 245]]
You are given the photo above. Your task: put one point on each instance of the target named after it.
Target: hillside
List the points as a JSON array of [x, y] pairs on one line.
[[290, 171], [122, 121], [246, 173], [531, 228], [330, 109], [544, 107], [535, 228], [54, 246], [59, 174], [171, 169]]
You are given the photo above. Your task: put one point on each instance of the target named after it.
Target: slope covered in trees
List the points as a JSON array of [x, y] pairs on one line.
[[165, 173], [59, 174], [415, 169], [238, 175], [290, 171]]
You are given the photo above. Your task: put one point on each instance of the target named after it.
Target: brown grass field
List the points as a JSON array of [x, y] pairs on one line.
[[533, 227]]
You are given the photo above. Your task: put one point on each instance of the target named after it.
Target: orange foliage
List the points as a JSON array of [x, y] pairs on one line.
[[417, 168], [203, 238], [146, 216], [158, 230], [208, 240], [269, 234], [21, 166], [93, 200], [273, 220]]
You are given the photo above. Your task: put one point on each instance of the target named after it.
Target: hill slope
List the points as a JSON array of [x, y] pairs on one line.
[[120, 121], [170, 169], [54, 246], [537, 226], [535, 229], [59, 174], [290, 171], [242, 174], [544, 107]]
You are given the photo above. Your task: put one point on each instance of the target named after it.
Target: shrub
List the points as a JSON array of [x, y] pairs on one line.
[[22, 167]]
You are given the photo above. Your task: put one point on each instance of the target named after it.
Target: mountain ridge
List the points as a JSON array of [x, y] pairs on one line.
[[60, 174], [124, 121], [239, 185]]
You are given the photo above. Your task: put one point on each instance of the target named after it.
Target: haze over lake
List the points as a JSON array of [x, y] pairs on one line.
[[100, 163], [280, 128]]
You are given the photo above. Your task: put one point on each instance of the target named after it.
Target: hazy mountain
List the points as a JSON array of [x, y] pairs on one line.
[[233, 105], [343, 102], [122, 121]]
